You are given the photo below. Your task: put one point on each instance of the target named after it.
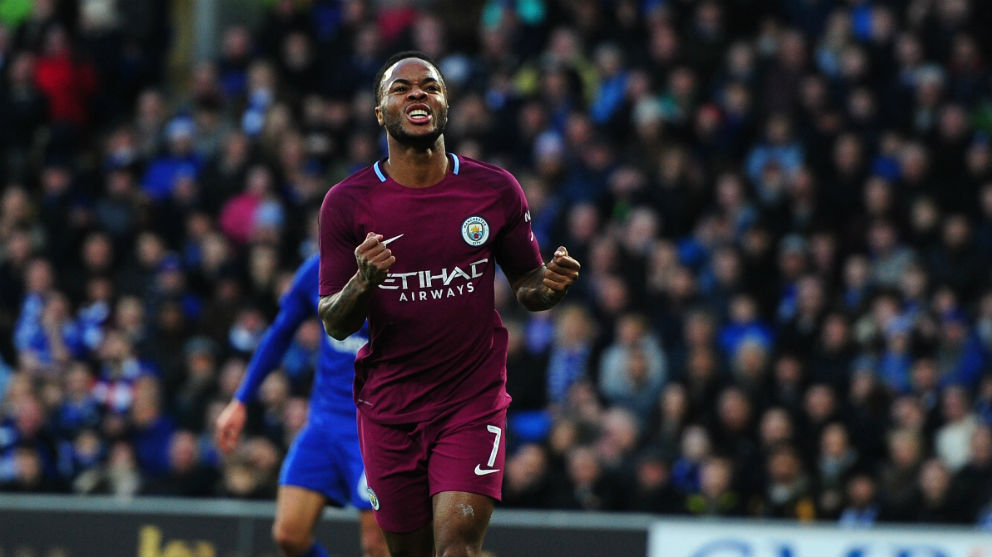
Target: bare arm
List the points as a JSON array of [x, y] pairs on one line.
[[344, 312], [545, 286]]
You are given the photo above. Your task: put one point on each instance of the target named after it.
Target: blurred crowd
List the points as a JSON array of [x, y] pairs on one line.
[[783, 210]]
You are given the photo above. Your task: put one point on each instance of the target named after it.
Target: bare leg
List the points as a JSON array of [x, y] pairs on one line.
[[297, 511], [373, 543], [419, 543], [460, 522]]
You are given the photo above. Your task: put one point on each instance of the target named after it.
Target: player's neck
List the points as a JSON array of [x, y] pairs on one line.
[[417, 168]]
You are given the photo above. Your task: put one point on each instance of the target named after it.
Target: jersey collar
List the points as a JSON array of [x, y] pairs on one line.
[[455, 162]]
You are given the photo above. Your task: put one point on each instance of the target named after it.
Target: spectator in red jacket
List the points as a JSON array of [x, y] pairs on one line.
[[66, 81]]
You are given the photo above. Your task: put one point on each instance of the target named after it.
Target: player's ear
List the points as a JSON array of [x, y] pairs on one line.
[[378, 114]]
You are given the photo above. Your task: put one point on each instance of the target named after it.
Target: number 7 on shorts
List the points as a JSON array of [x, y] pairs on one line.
[[492, 455]]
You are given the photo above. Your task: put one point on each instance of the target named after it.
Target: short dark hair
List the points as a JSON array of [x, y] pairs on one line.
[[377, 85]]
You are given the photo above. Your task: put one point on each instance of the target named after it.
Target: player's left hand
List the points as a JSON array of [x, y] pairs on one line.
[[561, 271]]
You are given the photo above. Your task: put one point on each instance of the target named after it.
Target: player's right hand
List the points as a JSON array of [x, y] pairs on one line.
[[374, 259], [230, 423]]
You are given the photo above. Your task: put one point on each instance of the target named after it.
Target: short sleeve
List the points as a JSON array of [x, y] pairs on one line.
[[517, 250], [337, 241]]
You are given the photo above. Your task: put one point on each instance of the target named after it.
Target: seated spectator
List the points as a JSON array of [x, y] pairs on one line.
[[119, 476], [936, 503], [674, 413], [151, 429], [527, 483], [590, 486], [750, 367], [960, 354], [571, 351], [716, 496], [780, 149], [633, 368], [733, 431], [200, 385], [87, 453], [901, 474], [23, 472], [120, 369], [862, 507], [619, 436], [788, 490], [654, 492], [250, 473], [46, 334], [836, 462], [693, 450], [28, 450], [79, 408], [889, 258], [525, 379], [187, 475], [67, 81], [953, 439], [972, 483], [181, 160]]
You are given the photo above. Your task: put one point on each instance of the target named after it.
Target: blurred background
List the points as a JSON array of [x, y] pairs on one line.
[[783, 209]]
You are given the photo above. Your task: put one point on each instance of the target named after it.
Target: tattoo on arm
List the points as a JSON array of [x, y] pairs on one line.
[[533, 294], [342, 314]]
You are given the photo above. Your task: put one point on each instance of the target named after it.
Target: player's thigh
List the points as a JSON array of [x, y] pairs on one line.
[[297, 511], [460, 521], [396, 473]]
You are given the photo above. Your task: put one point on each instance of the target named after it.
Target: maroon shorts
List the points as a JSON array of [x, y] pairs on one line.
[[406, 465]]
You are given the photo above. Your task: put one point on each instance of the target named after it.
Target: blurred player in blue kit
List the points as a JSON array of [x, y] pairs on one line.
[[324, 464]]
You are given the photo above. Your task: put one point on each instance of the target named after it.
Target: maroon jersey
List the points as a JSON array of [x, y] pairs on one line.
[[435, 338]]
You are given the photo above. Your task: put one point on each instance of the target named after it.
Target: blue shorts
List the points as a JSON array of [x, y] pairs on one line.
[[325, 457]]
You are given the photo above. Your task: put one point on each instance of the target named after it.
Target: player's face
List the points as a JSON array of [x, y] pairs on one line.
[[414, 103]]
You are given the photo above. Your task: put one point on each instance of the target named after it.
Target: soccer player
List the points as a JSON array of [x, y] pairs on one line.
[[412, 244], [324, 464]]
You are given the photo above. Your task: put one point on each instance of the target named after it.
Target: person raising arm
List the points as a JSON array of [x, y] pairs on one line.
[[412, 243]]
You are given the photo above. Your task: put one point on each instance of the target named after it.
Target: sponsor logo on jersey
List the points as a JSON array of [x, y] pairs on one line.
[[480, 471], [418, 286], [475, 231]]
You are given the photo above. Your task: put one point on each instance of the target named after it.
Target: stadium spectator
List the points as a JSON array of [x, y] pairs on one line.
[[187, 475], [633, 369], [788, 491], [862, 508], [952, 442], [936, 503], [528, 481], [716, 496]]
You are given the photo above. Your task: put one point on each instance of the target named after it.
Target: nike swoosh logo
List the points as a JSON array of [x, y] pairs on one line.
[[386, 242], [480, 472]]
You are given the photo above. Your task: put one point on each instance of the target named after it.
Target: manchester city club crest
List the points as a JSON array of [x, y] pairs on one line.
[[475, 231]]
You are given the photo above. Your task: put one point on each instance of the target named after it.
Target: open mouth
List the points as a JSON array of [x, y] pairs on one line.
[[418, 114]]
